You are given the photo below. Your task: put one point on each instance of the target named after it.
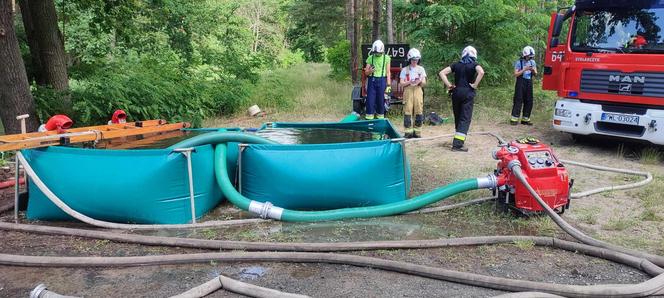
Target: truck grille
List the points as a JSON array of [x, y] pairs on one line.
[[649, 84], [620, 129]]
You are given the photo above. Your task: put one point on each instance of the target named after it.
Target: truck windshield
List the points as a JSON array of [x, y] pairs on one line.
[[619, 30]]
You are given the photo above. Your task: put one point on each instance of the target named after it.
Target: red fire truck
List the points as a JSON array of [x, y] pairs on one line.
[[606, 60]]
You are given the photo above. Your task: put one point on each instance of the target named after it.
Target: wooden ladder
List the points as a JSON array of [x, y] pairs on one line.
[[86, 134]]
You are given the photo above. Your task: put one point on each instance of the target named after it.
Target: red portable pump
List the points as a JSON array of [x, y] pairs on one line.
[[543, 171]]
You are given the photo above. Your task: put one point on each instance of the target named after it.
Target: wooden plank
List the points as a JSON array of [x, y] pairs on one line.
[[130, 125], [144, 141], [90, 135]]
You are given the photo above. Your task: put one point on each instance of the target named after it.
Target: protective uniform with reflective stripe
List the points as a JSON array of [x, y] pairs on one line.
[[463, 99], [377, 82], [413, 97]]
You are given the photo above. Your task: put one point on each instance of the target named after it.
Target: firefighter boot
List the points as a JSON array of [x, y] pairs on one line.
[[457, 145], [526, 121], [419, 119], [407, 123]]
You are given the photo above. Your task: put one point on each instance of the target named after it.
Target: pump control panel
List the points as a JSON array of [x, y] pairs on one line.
[[540, 159]]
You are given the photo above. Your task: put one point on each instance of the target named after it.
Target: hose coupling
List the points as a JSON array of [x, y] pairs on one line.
[[38, 291], [512, 164], [490, 182], [265, 210]]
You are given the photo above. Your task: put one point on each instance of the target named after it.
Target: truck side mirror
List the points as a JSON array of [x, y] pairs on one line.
[[554, 42], [558, 25]]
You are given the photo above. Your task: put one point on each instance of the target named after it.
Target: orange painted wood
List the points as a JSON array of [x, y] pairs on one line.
[[86, 134]]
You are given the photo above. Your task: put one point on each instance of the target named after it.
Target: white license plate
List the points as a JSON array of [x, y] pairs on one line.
[[620, 118]]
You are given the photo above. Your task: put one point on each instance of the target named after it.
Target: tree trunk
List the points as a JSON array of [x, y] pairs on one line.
[[51, 47], [375, 29], [389, 21], [36, 68], [15, 97], [351, 34]]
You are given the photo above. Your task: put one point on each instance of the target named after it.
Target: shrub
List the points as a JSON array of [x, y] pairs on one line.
[[339, 56]]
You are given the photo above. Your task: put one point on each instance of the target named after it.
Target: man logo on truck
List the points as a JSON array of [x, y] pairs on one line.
[[627, 79], [626, 84]]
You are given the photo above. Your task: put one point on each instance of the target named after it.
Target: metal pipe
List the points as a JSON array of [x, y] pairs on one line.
[[187, 155], [402, 141], [16, 189], [239, 167]]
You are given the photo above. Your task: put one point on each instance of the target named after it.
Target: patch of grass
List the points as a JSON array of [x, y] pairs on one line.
[[652, 200], [619, 224], [101, 243], [545, 226], [588, 215], [305, 87], [209, 234], [635, 241], [387, 252], [650, 155], [284, 237], [524, 244], [650, 215], [249, 235]]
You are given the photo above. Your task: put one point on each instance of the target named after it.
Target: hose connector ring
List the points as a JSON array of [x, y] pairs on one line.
[[512, 164], [490, 182]]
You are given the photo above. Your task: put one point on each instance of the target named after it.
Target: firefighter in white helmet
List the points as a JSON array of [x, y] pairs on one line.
[[467, 77], [377, 69], [524, 70], [413, 77]]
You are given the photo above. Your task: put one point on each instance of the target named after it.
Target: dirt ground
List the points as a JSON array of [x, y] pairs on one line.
[[632, 218]]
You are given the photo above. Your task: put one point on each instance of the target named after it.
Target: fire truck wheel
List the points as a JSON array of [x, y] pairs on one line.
[[358, 106], [576, 137]]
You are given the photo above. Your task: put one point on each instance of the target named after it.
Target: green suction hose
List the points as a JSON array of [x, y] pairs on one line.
[[266, 210], [221, 137]]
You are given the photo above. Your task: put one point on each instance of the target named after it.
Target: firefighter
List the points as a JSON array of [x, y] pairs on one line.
[[413, 78], [467, 77], [377, 70], [524, 70]]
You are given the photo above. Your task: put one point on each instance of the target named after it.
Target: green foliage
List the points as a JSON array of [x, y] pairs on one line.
[[49, 102], [172, 59], [291, 58], [308, 43], [338, 57], [147, 88], [314, 26], [499, 29]]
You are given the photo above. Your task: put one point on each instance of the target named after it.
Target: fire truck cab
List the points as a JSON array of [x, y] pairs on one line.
[[606, 61]]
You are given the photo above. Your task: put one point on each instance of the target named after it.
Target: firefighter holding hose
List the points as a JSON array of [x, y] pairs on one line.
[[377, 69], [467, 77], [413, 77]]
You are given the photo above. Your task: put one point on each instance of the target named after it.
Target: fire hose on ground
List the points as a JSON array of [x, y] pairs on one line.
[[650, 287], [213, 285], [638, 260]]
